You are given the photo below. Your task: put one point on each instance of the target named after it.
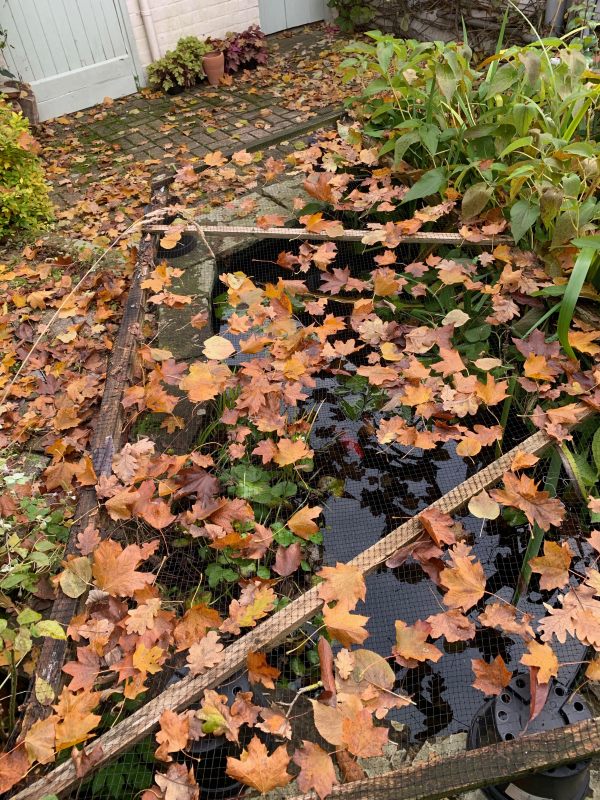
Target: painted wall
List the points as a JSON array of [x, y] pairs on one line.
[[176, 18]]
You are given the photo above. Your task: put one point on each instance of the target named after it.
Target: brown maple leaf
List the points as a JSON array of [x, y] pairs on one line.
[[440, 526], [543, 658], [173, 735], [464, 580], [411, 646], [492, 678], [256, 768], [343, 582], [522, 492], [503, 616], [194, 624], [114, 568], [302, 522], [553, 566], [316, 769], [453, 625], [259, 671], [84, 671]]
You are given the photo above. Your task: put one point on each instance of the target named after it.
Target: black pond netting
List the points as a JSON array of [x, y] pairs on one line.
[[367, 491]]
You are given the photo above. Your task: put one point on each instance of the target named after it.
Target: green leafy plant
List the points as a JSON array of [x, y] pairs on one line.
[[513, 132], [181, 67], [352, 15], [24, 197]]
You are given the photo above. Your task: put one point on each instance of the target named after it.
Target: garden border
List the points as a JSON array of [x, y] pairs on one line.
[[104, 442], [181, 695]]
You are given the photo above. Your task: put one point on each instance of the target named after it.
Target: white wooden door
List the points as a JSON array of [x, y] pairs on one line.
[[276, 15], [73, 52]]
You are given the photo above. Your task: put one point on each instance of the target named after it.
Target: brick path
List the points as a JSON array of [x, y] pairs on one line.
[[145, 133]]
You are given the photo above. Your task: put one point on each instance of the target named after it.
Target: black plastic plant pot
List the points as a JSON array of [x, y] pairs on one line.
[[187, 242], [505, 718], [208, 756]]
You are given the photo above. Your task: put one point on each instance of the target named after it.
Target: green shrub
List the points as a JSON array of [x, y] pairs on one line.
[[179, 67], [352, 15], [24, 199]]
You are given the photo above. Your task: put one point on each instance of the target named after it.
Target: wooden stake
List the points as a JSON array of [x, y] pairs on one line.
[[474, 769], [106, 440], [349, 235], [267, 635]]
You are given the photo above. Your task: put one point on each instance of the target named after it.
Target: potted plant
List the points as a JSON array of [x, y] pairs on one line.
[[213, 64], [179, 69], [245, 50]]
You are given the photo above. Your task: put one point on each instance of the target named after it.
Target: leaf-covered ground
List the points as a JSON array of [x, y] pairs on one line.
[[430, 349]]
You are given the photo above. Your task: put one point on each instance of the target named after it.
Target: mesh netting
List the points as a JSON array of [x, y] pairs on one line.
[[370, 495]]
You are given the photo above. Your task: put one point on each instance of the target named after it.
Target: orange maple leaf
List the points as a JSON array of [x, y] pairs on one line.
[[522, 492], [554, 565], [256, 768], [491, 678], [114, 568], [302, 522], [411, 646], [343, 582], [464, 580], [347, 628]]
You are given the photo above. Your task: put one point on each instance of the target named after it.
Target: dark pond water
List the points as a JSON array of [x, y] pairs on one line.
[[375, 489]]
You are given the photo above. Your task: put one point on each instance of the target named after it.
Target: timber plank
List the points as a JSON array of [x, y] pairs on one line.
[[474, 769]]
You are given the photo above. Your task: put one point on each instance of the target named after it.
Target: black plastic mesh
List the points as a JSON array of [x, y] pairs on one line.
[[374, 489]]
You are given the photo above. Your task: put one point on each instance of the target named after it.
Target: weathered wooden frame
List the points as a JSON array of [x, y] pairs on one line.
[[348, 235], [268, 634]]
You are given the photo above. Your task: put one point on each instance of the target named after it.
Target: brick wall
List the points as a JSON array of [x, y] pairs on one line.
[[176, 18]]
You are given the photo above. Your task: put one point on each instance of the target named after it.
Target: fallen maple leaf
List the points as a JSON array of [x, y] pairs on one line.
[[492, 678], [542, 657], [179, 783], [114, 568], [440, 526], [343, 582], [256, 768], [88, 539], [14, 765], [194, 625], [347, 628], [302, 522], [411, 646], [464, 580], [261, 672], [255, 603], [523, 461], [40, 742], [522, 493], [316, 769], [173, 735], [84, 671], [504, 617], [289, 452], [553, 566], [453, 625], [361, 737]]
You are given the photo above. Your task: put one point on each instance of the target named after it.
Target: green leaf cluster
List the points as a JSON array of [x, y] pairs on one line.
[[24, 194], [179, 67]]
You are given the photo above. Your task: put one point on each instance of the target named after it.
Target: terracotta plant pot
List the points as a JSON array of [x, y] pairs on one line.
[[213, 64]]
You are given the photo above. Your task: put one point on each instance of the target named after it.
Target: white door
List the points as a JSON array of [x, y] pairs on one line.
[[74, 53], [276, 15]]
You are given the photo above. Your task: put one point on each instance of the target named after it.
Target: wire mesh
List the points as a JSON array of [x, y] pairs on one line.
[[367, 491]]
